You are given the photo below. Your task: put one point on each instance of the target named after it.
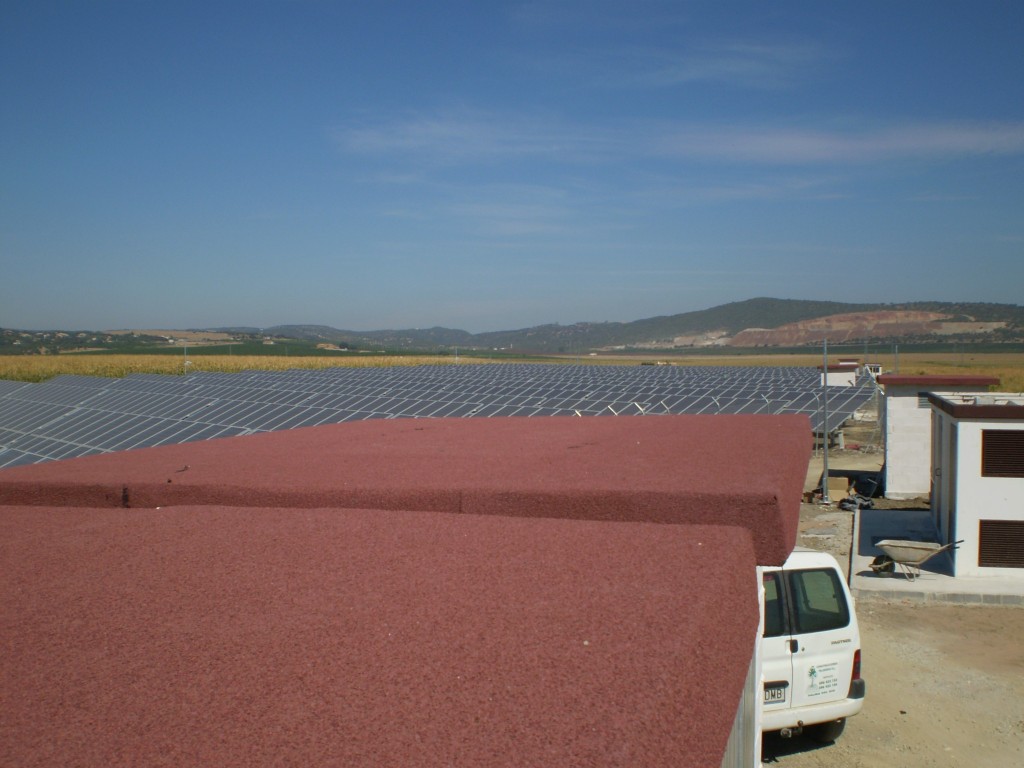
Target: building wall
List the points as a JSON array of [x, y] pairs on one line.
[[966, 497], [744, 747], [943, 473], [908, 437], [841, 378]]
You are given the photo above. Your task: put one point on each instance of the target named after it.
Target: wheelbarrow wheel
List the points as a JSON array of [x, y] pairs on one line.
[[883, 564], [826, 733]]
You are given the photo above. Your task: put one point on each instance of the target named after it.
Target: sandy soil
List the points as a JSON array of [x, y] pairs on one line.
[[945, 687], [945, 683]]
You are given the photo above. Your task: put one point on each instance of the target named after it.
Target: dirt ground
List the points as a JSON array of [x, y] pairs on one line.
[[945, 687], [945, 683]]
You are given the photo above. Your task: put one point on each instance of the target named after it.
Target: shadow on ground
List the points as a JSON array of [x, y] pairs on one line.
[[773, 746], [905, 524]]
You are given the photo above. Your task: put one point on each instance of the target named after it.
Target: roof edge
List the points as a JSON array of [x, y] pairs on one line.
[[747, 509], [1004, 412], [895, 379]]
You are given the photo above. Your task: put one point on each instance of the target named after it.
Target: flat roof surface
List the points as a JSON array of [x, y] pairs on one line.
[[729, 470], [986, 406], [933, 380], [225, 636], [556, 592]]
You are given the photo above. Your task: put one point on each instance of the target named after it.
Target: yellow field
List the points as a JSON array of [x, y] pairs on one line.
[[1008, 367], [37, 368]]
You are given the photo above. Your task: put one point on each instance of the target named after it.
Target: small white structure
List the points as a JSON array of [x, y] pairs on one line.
[[907, 421], [978, 480], [841, 374]]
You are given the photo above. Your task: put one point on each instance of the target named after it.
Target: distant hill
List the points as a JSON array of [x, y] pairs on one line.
[[755, 322], [760, 322]]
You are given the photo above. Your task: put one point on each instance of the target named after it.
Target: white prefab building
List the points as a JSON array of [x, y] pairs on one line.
[[841, 374], [907, 422], [978, 480]]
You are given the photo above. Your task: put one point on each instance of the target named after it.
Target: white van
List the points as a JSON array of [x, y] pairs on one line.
[[810, 648]]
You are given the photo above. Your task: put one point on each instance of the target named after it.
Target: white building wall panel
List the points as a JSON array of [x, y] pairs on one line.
[[908, 440], [981, 498], [908, 437]]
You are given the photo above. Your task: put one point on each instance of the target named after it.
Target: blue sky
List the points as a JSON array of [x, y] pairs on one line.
[[488, 166]]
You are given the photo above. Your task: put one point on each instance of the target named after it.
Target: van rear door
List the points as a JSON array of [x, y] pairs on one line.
[[776, 644], [820, 625]]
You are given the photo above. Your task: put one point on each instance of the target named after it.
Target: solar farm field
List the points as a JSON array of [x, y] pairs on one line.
[[73, 415]]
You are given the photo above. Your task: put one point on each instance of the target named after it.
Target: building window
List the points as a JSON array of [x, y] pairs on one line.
[[1001, 544], [774, 607], [1002, 453]]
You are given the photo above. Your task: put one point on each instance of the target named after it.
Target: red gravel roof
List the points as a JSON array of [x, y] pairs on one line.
[[731, 470], [935, 380], [534, 610]]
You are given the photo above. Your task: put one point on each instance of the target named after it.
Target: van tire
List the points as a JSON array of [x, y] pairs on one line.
[[826, 733]]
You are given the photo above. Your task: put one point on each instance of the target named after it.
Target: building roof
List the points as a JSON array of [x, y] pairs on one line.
[[932, 380], [669, 469], [982, 405], [489, 592]]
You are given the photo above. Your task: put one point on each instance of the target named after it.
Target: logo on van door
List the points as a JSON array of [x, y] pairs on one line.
[[822, 679]]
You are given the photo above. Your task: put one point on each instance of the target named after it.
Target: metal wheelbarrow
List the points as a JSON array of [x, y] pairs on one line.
[[908, 555]]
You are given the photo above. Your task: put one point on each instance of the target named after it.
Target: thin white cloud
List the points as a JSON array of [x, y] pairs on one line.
[[674, 191], [513, 210], [767, 64], [498, 210], [454, 138], [513, 220], [751, 65], [459, 136], [939, 197], [799, 146]]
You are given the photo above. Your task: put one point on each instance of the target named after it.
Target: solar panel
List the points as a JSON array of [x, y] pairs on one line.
[[80, 415], [10, 386]]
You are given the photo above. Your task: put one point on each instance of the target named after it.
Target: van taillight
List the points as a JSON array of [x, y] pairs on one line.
[[856, 665]]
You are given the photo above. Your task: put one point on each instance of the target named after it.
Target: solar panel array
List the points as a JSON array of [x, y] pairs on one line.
[[72, 416]]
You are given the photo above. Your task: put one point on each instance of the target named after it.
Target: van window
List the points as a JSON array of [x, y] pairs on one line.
[[774, 607], [819, 603]]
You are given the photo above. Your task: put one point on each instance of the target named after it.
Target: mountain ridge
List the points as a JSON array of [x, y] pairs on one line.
[[760, 321]]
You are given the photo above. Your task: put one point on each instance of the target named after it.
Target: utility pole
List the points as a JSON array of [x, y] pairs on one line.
[[824, 424]]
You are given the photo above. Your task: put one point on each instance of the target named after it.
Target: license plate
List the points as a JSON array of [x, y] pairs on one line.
[[775, 693]]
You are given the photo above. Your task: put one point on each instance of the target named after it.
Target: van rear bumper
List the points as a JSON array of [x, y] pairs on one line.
[[818, 713]]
